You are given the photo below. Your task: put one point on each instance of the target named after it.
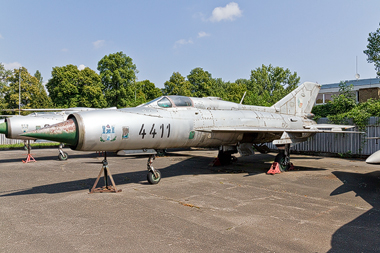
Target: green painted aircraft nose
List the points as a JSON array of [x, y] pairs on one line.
[[62, 132], [3, 128]]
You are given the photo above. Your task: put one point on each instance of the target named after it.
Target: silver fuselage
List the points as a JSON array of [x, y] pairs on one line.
[[152, 127]]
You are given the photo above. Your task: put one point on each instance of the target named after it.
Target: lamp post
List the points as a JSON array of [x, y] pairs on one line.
[[19, 91]]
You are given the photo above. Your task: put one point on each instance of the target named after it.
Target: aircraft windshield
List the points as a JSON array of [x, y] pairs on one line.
[[181, 101], [165, 102], [171, 101]]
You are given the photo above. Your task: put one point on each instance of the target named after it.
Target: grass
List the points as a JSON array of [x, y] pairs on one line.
[[34, 145]]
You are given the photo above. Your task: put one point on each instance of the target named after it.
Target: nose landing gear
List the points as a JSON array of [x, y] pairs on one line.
[[154, 176], [62, 155]]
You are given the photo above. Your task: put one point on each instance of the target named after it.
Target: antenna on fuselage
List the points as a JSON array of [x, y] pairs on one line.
[[241, 101]]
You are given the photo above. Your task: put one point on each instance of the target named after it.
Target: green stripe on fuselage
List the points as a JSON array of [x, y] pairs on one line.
[[3, 128]]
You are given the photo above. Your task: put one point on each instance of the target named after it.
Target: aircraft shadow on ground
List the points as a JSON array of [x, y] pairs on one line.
[[195, 165], [362, 234]]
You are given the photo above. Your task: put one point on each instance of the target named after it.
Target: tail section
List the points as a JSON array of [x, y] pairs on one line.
[[300, 101]]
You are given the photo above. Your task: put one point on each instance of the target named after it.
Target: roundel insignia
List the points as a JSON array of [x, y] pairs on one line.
[[299, 103]]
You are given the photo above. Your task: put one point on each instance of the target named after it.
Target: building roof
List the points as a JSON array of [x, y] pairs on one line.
[[368, 83]]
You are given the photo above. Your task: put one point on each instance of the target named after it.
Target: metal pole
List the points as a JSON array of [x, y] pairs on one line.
[[19, 91]]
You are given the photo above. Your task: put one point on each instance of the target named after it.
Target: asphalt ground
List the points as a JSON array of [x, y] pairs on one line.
[[325, 205]]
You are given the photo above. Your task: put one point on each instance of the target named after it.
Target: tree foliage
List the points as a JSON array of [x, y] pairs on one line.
[[144, 92], [116, 85], [4, 74], [70, 87], [177, 85], [201, 83], [373, 50], [118, 76], [343, 107], [269, 84], [32, 96]]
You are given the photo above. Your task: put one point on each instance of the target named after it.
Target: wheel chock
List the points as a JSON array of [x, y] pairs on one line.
[[29, 159], [215, 162], [274, 169]]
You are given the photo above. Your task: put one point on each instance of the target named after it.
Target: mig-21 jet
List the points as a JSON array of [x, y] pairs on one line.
[[181, 122]]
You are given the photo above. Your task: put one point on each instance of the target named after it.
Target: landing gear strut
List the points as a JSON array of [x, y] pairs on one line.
[[154, 176], [107, 173], [283, 157], [225, 156], [62, 155]]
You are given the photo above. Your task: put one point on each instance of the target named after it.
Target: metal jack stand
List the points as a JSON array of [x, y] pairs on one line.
[[107, 173], [29, 158]]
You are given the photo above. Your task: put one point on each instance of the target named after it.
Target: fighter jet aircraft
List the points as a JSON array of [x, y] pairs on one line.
[[178, 121], [14, 126]]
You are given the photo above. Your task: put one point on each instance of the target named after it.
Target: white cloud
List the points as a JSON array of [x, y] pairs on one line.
[[182, 42], [98, 44], [230, 12], [81, 67], [203, 34], [12, 65]]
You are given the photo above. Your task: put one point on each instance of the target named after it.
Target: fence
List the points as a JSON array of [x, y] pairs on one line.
[[4, 140], [356, 144]]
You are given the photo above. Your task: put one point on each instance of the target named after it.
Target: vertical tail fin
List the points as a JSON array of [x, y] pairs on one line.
[[300, 101]]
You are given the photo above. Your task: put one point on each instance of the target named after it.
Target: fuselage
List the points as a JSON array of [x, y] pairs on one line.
[[187, 123]]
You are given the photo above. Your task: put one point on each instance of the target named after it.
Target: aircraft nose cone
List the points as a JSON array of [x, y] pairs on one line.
[[3, 128], [374, 158], [65, 132]]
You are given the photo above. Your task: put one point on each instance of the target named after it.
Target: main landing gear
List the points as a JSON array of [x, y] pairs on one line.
[[282, 160], [225, 156]]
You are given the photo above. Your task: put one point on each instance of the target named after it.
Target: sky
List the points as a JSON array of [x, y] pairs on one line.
[[323, 41]]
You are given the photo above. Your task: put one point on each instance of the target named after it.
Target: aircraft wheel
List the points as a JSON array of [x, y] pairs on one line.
[[281, 160], [152, 179], [63, 157]]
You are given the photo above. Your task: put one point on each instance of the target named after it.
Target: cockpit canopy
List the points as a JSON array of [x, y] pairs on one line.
[[170, 101]]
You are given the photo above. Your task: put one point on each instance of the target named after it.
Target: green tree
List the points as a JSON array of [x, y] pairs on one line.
[[31, 95], [118, 76], [4, 74], [177, 85], [70, 87], [90, 89], [234, 92], [373, 50], [201, 83], [269, 84], [343, 107], [145, 91], [150, 90]]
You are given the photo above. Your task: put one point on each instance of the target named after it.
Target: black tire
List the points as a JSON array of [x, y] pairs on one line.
[[63, 157], [281, 159], [152, 179]]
